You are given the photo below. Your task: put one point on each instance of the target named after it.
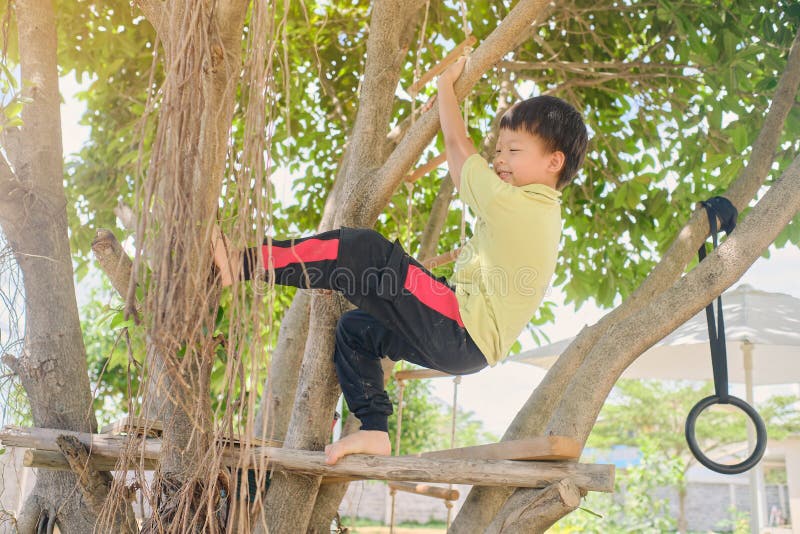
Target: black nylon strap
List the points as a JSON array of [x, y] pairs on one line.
[[722, 208], [718, 207]]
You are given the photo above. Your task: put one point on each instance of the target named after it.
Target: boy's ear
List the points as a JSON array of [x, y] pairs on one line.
[[556, 162]]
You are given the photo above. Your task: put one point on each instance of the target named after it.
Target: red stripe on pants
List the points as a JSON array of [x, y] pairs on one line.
[[303, 252], [433, 294]]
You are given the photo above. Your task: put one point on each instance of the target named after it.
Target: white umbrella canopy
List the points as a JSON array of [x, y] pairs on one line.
[[770, 322]]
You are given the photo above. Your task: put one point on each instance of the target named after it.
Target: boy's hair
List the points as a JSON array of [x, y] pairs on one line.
[[556, 123]]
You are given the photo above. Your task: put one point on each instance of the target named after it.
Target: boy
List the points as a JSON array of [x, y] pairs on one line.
[[404, 312]]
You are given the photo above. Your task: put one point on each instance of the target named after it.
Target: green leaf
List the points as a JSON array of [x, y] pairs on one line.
[[13, 109]]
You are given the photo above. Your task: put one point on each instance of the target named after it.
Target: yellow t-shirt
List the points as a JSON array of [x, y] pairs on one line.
[[505, 268]]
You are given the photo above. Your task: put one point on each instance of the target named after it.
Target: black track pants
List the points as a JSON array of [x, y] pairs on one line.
[[405, 313]]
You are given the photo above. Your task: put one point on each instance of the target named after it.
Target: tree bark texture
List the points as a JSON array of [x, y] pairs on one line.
[[533, 511], [52, 366]]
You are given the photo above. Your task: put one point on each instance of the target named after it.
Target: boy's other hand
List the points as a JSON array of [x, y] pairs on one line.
[[451, 74]]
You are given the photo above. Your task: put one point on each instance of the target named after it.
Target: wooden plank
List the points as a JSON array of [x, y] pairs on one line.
[[538, 448], [426, 168], [239, 441], [529, 474], [102, 444], [134, 425], [441, 259], [440, 67], [418, 374], [140, 426], [55, 460], [436, 492]]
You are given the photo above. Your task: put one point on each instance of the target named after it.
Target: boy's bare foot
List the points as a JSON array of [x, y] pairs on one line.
[[226, 265], [361, 442]]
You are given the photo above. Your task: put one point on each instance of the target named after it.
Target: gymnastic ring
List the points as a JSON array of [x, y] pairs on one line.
[[761, 435]]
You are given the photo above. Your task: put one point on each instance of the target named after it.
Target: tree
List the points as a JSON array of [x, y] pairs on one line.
[[668, 90]]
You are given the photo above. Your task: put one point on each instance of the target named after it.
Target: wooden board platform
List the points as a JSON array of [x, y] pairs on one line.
[[483, 472], [152, 428], [539, 448], [133, 425]]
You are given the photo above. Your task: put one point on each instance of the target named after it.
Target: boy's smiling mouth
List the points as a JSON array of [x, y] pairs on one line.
[[504, 175]]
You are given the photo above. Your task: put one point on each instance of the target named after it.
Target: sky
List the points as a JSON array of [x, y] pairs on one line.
[[496, 394]]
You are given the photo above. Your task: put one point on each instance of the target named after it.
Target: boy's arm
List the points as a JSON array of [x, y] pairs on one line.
[[458, 145]]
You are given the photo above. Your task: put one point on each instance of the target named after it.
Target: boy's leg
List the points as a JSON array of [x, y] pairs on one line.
[[361, 341], [380, 278]]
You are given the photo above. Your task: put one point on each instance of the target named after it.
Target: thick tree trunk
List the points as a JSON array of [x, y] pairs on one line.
[[275, 408], [311, 420], [52, 366]]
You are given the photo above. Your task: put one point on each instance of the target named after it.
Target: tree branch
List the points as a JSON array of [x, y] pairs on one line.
[[113, 260], [588, 68], [740, 193], [607, 360], [532, 511], [412, 468], [436, 218]]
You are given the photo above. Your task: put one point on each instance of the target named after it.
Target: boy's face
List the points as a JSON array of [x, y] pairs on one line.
[[521, 159]]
